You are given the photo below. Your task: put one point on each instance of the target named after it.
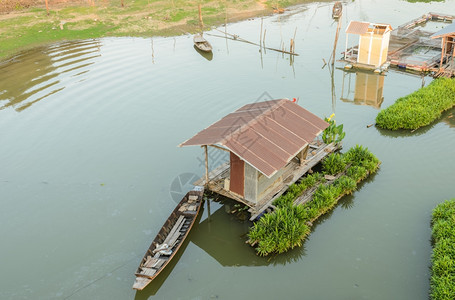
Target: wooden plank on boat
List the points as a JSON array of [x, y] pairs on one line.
[[141, 283], [159, 263], [176, 235], [148, 271]]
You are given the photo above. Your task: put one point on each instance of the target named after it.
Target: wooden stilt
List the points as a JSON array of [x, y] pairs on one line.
[[442, 53], [47, 7], [206, 166]]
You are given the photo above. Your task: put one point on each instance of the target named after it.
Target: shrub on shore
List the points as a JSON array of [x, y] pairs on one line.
[[442, 282], [420, 108]]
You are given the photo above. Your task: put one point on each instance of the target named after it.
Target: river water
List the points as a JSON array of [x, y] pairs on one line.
[[90, 166]]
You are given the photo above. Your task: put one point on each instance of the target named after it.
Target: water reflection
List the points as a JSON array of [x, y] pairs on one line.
[[35, 75], [449, 118], [363, 88], [223, 236], [207, 55]]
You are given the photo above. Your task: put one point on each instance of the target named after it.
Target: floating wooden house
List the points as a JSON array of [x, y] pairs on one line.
[[447, 36], [371, 51], [271, 144]]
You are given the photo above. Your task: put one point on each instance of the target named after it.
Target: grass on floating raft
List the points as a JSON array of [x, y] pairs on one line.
[[420, 108], [289, 224], [442, 281]]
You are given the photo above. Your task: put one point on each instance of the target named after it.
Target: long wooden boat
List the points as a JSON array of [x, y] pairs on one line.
[[201, 43], [337, 10], [169, 239]]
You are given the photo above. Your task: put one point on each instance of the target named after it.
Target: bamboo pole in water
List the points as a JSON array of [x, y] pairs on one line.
[[237, 38], [263, 39], [260, 34], [200, 16], [336, 40]]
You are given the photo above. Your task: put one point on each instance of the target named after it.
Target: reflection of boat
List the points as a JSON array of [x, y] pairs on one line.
[[201, 43], [169, 239], [337, 10], [207, 55]]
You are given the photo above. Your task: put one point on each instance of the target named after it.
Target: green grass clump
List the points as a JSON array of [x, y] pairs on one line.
[[333, 164], [279, 231], [297, 189], [442, 282], [420, 108], [268, 232]]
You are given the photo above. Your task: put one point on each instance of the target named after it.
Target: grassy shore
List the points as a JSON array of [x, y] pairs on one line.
[[443, 259], [25, 28], [420, 108]]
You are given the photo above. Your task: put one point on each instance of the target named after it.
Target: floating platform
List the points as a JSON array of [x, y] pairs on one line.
[[293, 172], [411, 48]]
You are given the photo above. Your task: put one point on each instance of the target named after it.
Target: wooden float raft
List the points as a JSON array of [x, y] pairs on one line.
[[169, 239]]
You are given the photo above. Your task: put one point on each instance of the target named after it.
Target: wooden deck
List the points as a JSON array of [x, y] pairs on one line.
[[293, 171]]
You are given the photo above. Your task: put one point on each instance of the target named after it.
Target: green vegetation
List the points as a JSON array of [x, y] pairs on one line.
[[419, 108], [25, 23], [442, 281], [287, 226], [284, 229], [333, 133], [333, 164]]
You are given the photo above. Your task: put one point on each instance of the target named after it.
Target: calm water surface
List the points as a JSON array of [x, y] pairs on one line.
[[89, 135]]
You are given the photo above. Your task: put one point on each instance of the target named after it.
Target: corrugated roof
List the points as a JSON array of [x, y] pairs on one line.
[[356, 27], [448, 30], [267, 134]]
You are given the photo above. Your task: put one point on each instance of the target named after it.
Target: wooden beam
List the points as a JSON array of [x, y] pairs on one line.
[[442, 53], [206, 166], [221, 148]]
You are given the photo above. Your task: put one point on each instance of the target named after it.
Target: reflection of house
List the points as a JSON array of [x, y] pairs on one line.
[[223, 239], [368, 89], [373, 44], [268, 144], [447, 34]]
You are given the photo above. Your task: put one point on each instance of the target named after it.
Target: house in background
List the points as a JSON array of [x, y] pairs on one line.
[[447, 36], [373, 44], [271, 145]]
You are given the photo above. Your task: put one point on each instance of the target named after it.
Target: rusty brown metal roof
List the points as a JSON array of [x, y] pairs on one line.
[[267, 134], [356, 27]]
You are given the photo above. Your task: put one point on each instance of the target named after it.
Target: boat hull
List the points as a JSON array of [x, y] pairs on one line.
[[169, 239]]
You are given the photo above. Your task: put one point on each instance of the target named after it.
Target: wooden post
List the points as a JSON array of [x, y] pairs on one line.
[[200, 15], [442, 53], [263, 39], [206, 166], [336, 40], [260, 34], [303, 155], [47, 7]]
